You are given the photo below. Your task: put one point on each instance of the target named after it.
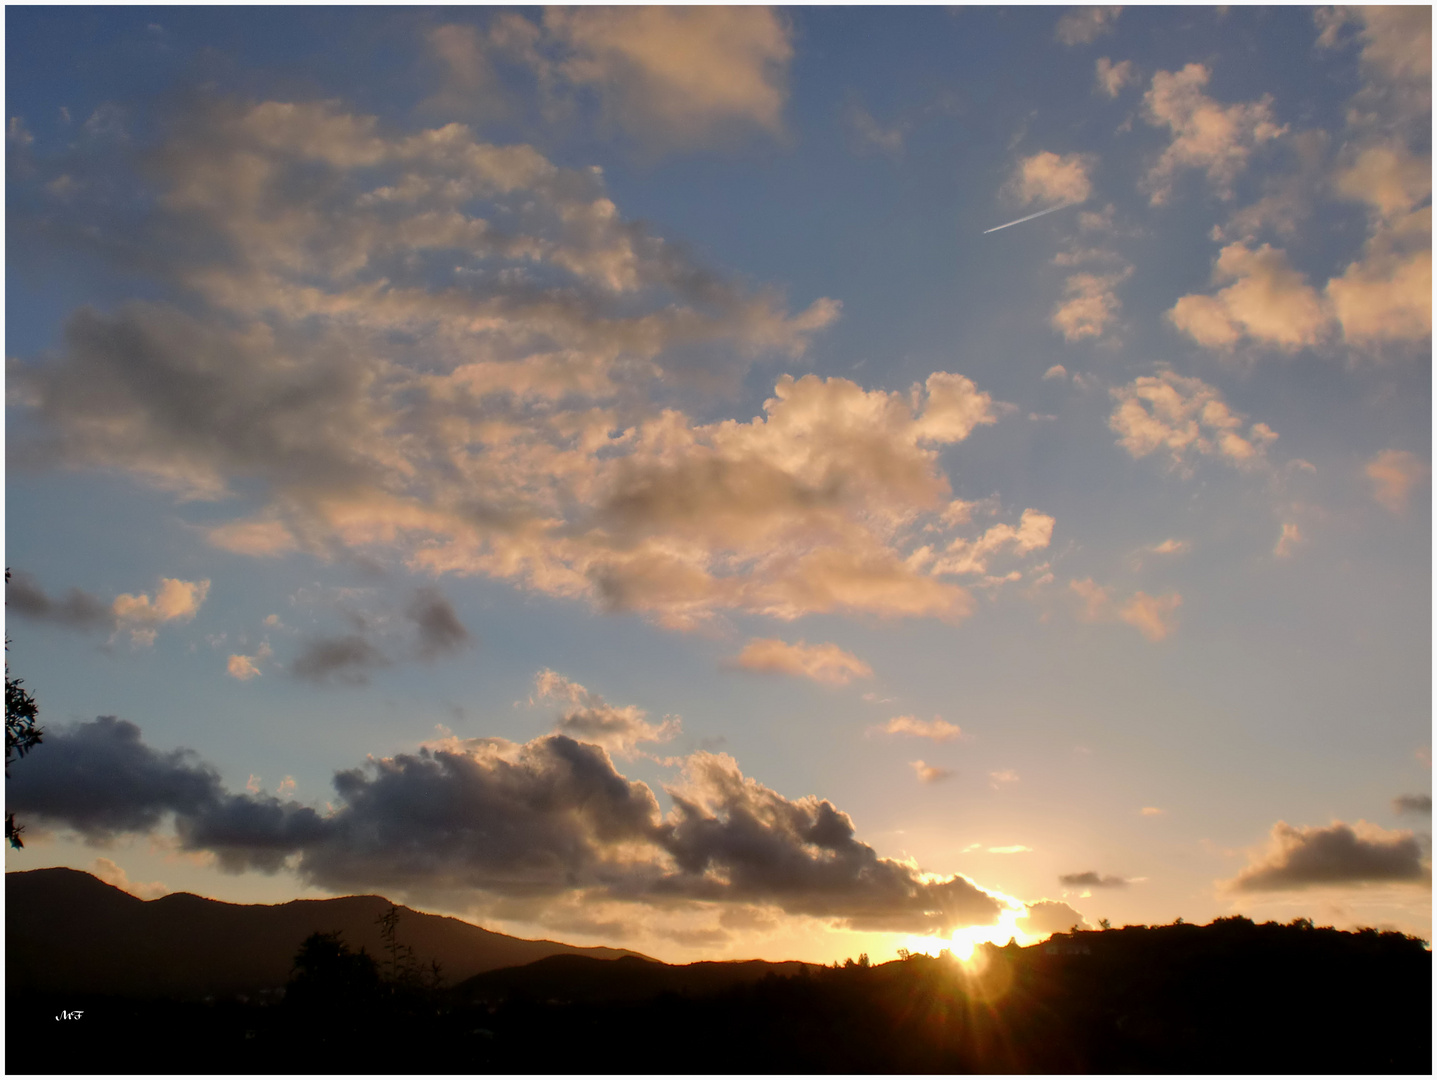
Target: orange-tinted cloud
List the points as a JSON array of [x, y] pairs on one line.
[[825, 662]]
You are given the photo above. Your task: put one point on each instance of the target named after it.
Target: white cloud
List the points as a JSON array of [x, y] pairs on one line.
[[1090, 305], [678, 74], [1267, 302], [1111, 77], [822, 663], [1178, 415], [242, 668], [937, 729], [1215, 138], [929, 774], [1050, 177], [1034, 532], [1393, 474], [1152, 615], [1083, 25]]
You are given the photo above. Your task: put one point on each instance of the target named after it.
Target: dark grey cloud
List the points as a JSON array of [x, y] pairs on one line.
[[1090, 879], [522, 823], [1050, 917], [734, 839], [1337, 855], [440, 631], [101, 779], [347, 659], [77, 610], [1412, 804]]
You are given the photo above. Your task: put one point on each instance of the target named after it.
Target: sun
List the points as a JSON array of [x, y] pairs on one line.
[[966, 939]]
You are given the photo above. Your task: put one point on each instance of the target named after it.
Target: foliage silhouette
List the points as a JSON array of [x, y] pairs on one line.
[[21, 734]]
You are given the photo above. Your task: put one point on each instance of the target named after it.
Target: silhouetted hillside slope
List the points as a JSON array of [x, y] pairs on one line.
[[588, 979], [1231, 997], [68, 932]]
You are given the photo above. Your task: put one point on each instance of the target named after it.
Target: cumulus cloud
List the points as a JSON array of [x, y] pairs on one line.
[[937, 729], [1111, 77], [524, 823], [929, 774], [1083, 25], [242, 667], [1091, 879], [590, 719], [1267, 301], [1206, 135], [1090, 305], [1057, 371], [1178, 416], [1046, 917], [1412, 804], [1386, 295], [822, 663], [1050, 177], [440, 631], [1341, 854], [1394, 474]]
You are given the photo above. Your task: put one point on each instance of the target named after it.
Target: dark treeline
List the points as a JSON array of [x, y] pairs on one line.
[[1230, 997]]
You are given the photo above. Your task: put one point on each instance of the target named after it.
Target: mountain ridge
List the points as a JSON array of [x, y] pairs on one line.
[[67, 931]]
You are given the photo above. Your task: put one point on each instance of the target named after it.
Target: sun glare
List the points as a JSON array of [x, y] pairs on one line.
[[966, 939]]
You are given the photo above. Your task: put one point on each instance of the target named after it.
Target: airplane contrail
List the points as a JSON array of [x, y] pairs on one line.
[[1030, 217]]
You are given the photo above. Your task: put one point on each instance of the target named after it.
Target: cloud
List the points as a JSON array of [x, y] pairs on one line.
[[1090, 305], [175, 601], [1046, 917], [1268, 302], [929, 774], [1083, 25], [1178, 416], [76, 610], [822, 663], [591, 719], [1050, 177], [1090, 879], [1001, 777], [1412, 804], [937, 729], [1288, 541], [1340, 854], [242, 667], [1170, 547], [440, 631], [1151, 615], [1386, 295], [111, 873], [1111, 77], [1152, 811], [1394, 473], [1034, 532], [348, 658], [1057, 371], [867, 135], [526, 823], [677, 76], [1205, 135]]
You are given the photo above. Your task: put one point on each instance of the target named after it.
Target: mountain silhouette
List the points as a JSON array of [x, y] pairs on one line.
[[68, 932]]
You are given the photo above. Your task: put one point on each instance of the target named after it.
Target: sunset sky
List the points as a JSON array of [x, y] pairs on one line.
[[605, 474]]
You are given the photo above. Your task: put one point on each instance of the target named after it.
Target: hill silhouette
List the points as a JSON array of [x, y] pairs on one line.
[[68, 932], [1229, 997]]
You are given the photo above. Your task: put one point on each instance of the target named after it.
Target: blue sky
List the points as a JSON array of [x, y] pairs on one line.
[[593, 472]]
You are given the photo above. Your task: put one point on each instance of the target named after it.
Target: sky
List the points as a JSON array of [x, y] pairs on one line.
[[727, 482]]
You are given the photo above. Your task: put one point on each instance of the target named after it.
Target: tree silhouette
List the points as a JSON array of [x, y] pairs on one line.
[[21, 734]]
